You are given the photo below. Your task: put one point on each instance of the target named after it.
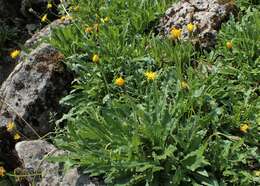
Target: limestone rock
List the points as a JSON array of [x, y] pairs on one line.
[[207, 15], [33, 90], [34, 155]]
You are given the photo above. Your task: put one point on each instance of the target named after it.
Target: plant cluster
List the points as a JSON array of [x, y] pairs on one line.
[[147, 110], [7, 34]]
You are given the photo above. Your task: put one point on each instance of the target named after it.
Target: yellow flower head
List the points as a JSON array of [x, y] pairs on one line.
[[17, 136], [175, 33], [49, 5], [76, 8], [120, 81], [229, 45], [88, 29], [95, 58], [244, 128], [14, 54], [10, 126], [150, 75], [67, 17], [44, 18], [2, 171], [62, 18], [191, 27], [257, 173], [184, 85], [105, 20]]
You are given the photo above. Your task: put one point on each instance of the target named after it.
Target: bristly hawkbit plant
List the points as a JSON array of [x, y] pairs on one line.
[[140, 143], [152, 111]]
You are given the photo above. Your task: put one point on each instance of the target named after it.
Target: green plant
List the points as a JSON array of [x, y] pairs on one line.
[[245, 4], [7, 34], [184, 127], [137, 143]]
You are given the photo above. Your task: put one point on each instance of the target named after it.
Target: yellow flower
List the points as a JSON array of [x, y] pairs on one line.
[[176, 33], [10, 126], [184, 85], [67, 17], [150, 75], [62, 18], [2, 171], [76, 8], [17, 136], [191, 27], [244, 128], [95, 58], [44, 18], [105, 20], [49, 5], [88, 29], [119, 81], [257, 173], [14, 54], [229, 45]]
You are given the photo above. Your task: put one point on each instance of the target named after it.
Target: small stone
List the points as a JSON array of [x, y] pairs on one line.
[[34, 156]]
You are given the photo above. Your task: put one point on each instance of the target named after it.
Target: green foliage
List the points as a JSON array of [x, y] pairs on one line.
[[7, 34], [183, 128], [245, 4], [137, 143]]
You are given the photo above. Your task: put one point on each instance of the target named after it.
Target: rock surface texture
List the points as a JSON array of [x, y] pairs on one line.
[[207, 15], [34, 155], [33, 90]]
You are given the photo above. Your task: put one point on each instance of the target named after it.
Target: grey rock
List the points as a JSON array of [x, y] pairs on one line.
[[207, 15], [34, 155], [33, 90]]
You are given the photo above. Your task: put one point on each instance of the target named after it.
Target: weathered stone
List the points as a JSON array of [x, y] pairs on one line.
[[34, 155], [207, 15], [32, 91]]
